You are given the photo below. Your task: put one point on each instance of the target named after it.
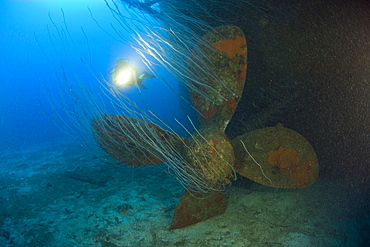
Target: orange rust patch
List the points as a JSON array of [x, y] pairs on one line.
[[208, 113], [240, 77], [283, 158], [231, 47], [142, 162], [207, 109], [231, 105], [215, 141], [304, 174], [193, 209]]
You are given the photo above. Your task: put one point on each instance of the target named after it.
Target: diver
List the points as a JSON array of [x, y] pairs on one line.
[[124, 74]]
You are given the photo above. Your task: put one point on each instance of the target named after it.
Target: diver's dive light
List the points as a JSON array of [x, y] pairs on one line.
[[123, 77], [123, 74]]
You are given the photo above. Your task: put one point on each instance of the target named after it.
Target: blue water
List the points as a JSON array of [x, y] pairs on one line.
[[29, 63]]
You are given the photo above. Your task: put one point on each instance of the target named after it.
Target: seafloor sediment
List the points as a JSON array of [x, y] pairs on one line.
[[61, 195]]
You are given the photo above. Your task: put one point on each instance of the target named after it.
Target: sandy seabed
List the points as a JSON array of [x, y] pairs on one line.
[[62, 195]]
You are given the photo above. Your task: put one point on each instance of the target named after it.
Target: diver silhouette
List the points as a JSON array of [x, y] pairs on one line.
[[124, 74]]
